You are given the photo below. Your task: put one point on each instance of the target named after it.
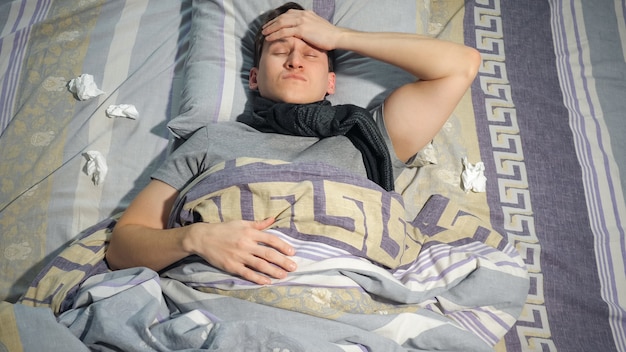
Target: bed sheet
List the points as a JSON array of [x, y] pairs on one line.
[[550, 124], [135, 51]]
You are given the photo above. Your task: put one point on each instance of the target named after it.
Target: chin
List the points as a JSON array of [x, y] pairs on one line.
[[292, 96], [298, 99]]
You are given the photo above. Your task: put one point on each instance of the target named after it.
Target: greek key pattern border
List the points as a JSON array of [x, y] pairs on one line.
[[533, 329]]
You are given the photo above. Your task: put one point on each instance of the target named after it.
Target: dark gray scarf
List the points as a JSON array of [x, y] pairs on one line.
[[321, 119]]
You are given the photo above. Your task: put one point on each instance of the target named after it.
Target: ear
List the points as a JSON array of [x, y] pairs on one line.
[[332, 78], [253, 83]]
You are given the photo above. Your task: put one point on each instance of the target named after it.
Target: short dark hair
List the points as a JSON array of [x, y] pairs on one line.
[[259, 38]]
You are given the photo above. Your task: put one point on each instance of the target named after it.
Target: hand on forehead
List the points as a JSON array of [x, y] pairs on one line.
[[304, 25]]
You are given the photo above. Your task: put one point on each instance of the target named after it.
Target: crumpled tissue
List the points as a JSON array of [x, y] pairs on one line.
[[84, 87], [426, 156], [123, 110], [473, 176], [96, 166]]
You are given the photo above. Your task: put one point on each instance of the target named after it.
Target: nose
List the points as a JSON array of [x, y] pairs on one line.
[[294, 61]]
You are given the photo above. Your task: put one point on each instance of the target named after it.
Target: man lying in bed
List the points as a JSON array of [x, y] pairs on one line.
[[292, 76]]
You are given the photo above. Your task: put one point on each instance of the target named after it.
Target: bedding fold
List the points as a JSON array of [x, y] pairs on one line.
[[367, 276]]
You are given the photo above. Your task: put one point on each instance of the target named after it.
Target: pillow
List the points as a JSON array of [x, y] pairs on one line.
[[221, 49]]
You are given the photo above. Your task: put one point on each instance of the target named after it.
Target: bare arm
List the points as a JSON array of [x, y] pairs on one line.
[[415, 112], [140, 238]]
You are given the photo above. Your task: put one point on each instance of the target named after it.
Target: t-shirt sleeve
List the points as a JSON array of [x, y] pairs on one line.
[[398, 165], [185, 162]]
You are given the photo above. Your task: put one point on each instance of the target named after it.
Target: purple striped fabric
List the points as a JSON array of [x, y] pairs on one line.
[[559, 137], [10, 79], [325, 9], [575, 70]]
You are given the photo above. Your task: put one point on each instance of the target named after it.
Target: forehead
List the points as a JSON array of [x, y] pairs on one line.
[[290, 42]]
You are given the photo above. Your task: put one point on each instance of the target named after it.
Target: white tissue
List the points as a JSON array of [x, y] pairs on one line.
[[96, 166], [426, 156], [84, 87], [473, 176], [123, 110]]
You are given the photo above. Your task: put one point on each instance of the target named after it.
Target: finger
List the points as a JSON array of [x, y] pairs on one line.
[[263, 224], [265, 267], [276, 243], [254, 276], [269, 23], [291, 14], [281, 28], [270, 239], [245, 270], [272, 26], [275, 259], [285, 32]]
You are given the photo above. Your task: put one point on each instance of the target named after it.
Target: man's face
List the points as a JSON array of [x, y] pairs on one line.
[[291, 71]]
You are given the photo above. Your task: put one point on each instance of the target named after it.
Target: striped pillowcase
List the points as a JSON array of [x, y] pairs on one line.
[[221, 49]]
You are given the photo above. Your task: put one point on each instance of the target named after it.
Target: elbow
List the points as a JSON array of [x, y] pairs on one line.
[[111, 264], [110, 260], [110, 254], [473, 61]]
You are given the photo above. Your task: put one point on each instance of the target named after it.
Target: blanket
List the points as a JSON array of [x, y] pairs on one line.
[[367, 278]]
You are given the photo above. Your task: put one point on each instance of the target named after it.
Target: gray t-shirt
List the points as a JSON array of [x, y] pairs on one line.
[[230, 140]]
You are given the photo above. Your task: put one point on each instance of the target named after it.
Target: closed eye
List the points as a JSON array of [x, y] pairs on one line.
[[280, 47]]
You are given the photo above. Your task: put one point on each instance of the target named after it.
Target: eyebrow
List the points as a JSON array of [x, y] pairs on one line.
[[284, 41], [278, 41]]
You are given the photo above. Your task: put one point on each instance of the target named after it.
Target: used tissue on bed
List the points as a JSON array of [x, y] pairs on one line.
[[473, 176], [96, 166], [123, 110], [84, 87]]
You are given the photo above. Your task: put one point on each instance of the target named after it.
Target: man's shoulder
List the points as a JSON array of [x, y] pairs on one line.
[[221, 127]]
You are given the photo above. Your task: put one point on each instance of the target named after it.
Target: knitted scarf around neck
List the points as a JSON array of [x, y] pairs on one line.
[[321, 119]]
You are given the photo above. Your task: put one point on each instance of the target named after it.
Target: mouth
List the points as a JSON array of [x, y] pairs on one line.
[[294, 76]]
